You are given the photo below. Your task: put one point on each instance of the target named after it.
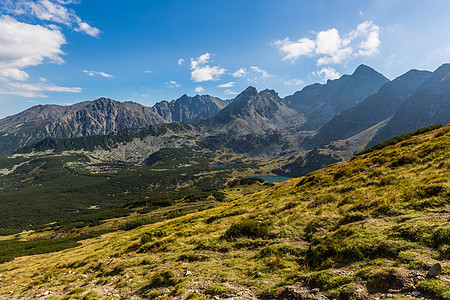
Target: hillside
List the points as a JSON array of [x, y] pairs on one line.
[[365, 229]]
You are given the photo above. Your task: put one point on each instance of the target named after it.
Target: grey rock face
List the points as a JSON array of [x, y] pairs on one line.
[[255, 113], [320, 102]]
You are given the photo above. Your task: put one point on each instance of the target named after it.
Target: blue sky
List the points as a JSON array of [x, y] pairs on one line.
[[67, 51]]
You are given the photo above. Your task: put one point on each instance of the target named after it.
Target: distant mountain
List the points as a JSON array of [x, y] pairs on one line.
[[42, 112], [428, 105], [373, 110], [254, 112], [98, 117], [190, 109], [321, 102]]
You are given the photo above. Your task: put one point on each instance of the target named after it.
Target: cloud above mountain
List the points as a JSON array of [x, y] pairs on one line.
[[201, 70], [331, 47]]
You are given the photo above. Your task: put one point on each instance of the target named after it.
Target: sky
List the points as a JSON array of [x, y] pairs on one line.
[[67, 51]]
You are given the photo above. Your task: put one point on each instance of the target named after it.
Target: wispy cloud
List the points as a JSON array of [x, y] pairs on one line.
[[226, 85], [230, 92], [199, 89], [327, 73], [293, 82], [263, 73], [240, 73], [53, 11], [331, 47], [34, 90], [202, 71], [93, 73], [148, 71], [180, 61], [173, 84]]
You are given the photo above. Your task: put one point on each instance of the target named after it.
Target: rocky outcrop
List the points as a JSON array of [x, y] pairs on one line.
[[253, 112]]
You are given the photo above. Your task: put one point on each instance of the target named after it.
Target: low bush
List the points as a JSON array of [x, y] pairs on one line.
[[247, 228]]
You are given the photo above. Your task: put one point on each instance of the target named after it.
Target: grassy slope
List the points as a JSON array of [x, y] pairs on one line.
[[355, 230]]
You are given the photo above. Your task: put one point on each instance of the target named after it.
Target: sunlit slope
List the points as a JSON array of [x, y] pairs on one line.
[[356, 230]]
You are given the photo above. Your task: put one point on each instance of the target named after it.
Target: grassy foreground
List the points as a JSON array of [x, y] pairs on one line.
[[369, 228]]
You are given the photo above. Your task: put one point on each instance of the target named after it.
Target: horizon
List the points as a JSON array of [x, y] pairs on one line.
[[74, 51]]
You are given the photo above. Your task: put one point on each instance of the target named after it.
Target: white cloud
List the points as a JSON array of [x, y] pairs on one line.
[[173, 84], [327, 73], [180, 61], [26, 45], [34, 90], [52, 11], [293, 50], [253, 74], [226, 85], [261, 72], [199, 89], [88, 29], [230, 92], [240, 73], [201, 71], [14, 74], [93, 73], [148, 71], [331, 47], [293, 82]]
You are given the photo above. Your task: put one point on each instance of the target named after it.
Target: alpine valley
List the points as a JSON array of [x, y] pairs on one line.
[[339, 191]]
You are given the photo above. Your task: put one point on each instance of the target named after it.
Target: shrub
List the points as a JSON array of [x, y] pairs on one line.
[[403, 161], [247, 228], [148, 236], [163, 278]]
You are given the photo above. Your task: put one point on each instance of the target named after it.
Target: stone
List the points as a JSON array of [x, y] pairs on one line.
[[389, 295], [188, 273], [416, 293], [435, 270], [258, 274], [165, 291]]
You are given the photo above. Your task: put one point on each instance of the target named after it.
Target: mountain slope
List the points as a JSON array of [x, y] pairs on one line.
[[428, 105], [357, 230], [101, 116], [320, 102], [371, 111], [253, 112]]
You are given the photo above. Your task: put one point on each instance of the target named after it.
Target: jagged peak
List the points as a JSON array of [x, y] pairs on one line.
[[271, 93]]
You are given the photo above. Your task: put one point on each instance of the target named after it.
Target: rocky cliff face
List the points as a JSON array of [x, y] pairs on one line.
[[373, 110], [254, 113], [428, 105], [101, 116], [320, 102], [190, 109]]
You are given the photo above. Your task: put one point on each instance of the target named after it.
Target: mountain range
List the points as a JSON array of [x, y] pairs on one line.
[[320, 124]]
